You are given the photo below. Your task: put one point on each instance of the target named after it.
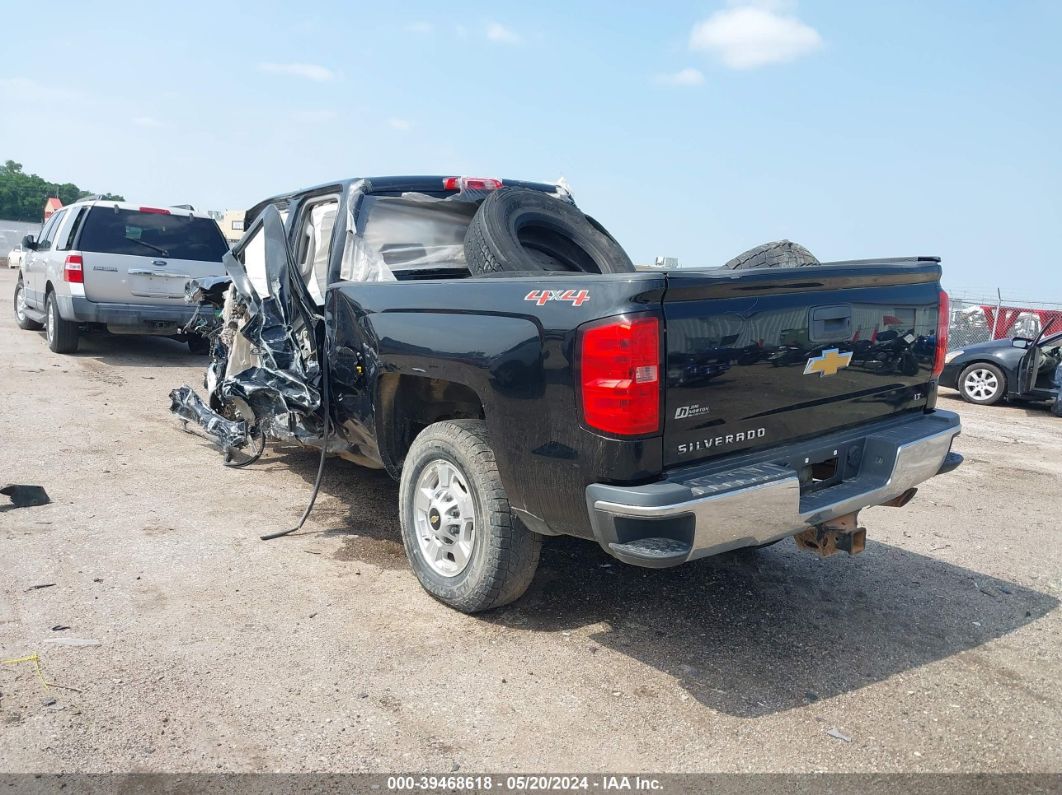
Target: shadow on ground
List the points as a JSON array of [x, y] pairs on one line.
[[1031, 408], [133, 350], [755, 632], [748, 633]]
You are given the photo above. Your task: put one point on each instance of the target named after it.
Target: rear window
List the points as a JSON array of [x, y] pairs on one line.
[[113, 231]]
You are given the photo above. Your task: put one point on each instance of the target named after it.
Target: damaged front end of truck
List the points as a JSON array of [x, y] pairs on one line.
[[266, 336]]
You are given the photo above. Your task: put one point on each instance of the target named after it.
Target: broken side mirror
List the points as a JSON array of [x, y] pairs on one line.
[[29, 243]]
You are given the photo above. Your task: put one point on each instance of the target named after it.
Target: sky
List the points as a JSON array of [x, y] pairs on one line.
[[689, 129]]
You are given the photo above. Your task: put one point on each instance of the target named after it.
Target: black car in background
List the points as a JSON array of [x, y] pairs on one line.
[[1019, 368]]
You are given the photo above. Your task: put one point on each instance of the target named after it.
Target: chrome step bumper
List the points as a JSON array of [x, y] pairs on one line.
[[704, 510]]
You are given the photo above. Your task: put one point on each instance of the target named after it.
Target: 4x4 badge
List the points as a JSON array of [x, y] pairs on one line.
[[577, 298], [828, 363]]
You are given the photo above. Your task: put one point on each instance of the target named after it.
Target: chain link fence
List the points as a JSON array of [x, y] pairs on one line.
[[980, 316]]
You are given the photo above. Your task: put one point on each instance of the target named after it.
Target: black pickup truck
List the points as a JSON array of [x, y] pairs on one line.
[[494, 350]]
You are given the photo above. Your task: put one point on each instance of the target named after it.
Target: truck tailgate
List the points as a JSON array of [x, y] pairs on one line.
[[756, 359]]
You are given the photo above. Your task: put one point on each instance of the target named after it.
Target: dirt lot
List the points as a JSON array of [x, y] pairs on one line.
[[937, 649]]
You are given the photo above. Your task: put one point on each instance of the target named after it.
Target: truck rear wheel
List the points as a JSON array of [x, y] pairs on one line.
[[464, 544], [62, 334]]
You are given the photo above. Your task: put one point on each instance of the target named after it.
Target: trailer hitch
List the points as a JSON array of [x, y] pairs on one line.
[[842, 534]]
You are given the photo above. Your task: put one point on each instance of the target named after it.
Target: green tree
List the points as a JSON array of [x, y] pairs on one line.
[[22, 195]]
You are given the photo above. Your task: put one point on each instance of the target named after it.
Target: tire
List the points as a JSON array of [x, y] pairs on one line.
[[24, 322], [62, 334], [982, 383], [518, 229], [779, 254], [198, 345], [499, 554]]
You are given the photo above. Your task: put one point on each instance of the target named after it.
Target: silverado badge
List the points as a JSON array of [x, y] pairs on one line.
[[828, 363]]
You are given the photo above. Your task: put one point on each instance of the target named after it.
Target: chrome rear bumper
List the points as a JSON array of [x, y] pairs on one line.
[[709, 509]]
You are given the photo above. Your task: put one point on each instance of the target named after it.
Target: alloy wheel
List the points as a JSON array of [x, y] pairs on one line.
[[20, 302], [444, 517], [981, 384]]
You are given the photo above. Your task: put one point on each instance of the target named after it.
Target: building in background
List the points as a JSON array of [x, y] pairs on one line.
[[661, 263], [231, 223], [51, 206]]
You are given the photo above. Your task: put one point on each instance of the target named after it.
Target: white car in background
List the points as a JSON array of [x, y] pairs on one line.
[[14, 257], [115, 265]]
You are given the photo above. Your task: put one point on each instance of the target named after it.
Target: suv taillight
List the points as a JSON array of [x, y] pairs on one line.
[[619, 371], [73, 269], [943, 322]]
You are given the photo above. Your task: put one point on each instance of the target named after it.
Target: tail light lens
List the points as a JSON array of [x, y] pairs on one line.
[[155, 210], [471, 183], [73, 269], [619, 367], [943, 323]]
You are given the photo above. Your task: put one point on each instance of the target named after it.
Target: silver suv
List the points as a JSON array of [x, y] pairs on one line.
[[117, 265]]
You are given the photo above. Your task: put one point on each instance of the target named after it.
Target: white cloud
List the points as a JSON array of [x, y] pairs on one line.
[[399, 124], [498, 33], [307, 71], [748, 36], [420, 27], [683, 77], [147, 121]]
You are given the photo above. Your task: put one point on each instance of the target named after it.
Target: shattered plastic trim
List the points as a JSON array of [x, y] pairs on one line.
[[264, 350]]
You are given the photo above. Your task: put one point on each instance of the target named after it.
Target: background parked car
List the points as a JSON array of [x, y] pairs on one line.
[[117, 265], [1018, 368], [14, 257]]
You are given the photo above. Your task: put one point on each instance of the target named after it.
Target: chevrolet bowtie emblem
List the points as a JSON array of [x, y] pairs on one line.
[[828, 363]]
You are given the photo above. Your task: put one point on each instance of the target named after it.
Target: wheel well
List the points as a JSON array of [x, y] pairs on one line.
[[407, 404]]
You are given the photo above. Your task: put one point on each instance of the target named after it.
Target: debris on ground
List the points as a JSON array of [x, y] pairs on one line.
[[36, 660], [73, 641], [23, 496], [837, 734], [42, 585]]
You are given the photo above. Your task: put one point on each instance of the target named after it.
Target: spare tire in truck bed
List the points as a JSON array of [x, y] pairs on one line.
[[779, 254], [518, 229]]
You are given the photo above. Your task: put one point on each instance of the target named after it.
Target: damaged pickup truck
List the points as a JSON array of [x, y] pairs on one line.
[[494, 350]]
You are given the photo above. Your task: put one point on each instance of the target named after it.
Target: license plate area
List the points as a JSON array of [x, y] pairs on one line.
[[829, 467], [157, 284]]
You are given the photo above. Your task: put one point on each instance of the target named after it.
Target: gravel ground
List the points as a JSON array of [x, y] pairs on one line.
[[935, 650]]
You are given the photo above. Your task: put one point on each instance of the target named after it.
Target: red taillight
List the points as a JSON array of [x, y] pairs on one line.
[[943, 322], [155, 210], [73, 269], [471, 183], [619, 367]]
